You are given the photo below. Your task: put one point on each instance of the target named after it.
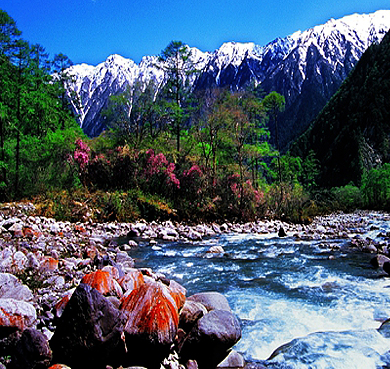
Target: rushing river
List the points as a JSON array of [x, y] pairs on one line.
[[320, 298]]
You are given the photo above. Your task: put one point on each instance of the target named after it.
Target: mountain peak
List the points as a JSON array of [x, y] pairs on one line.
[[317, 59]]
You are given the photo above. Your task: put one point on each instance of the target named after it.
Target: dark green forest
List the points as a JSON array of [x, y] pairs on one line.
[[185, 155], [350, 137]]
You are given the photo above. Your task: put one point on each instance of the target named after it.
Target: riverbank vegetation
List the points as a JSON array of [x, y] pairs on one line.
[[178, 154]]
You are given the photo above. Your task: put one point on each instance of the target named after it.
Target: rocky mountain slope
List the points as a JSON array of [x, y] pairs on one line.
[[352, 133], [306, 67]]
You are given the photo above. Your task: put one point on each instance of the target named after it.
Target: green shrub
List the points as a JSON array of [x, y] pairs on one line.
[[347, 198], [376, 188]]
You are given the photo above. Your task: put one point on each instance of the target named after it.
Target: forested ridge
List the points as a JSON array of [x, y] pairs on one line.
[[350, 137], [194, 156]]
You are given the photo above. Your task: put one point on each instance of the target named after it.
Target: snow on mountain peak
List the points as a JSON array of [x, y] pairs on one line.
[[335, 46], [233, 52]]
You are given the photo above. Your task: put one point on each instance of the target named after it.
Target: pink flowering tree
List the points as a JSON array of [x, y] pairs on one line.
[[159, 174], [198, 199], [241, 200], [80, 159], [81, 154]]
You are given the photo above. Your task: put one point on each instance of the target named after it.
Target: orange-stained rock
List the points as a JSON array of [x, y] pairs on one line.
[[151, 313], [28, 232], [61, 304], [178, 292], [114, 272], [79, 228], [103, 282], [49, 264], [17, 314], [131, 280]]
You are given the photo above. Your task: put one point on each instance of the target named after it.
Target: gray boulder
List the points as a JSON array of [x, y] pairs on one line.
[[31, 351], [89, 332], [378, 261], [211, 300], [211, 339], [384, 329], [234, 360], [190, 313]]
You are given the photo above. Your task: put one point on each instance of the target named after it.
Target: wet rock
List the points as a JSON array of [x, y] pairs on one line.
[[282, 232], [386, 267], [234, 360], [88, 334], [132, 244], [211, 339], [211, 300], [384, 329], [216, 250], [379, 260]]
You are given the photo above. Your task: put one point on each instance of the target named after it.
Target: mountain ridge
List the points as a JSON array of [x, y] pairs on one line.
[[307, 67], [351, 135]]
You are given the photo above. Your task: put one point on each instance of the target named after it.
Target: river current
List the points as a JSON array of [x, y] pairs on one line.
[[302, 303]]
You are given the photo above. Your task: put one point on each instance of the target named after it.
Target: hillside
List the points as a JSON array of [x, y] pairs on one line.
[[351, 134]]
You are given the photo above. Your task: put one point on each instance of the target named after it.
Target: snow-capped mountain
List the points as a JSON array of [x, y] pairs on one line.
[[94, 85], [306, 67]]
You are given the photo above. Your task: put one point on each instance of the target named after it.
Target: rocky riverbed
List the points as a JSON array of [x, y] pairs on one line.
[[56, 279]]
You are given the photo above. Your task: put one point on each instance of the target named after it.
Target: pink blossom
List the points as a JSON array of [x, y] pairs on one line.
[[194, 170], [81, 158], [81, 145], [171, 177], [81, 154], [155, 163]]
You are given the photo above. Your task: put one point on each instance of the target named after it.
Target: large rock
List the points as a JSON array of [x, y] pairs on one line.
[[104, 282], [211, 300], [192, 311], [211, 339], [31, 351], [178, 292], [89, 332], [384, 329], [17, 314], [379, 260], [234, 360], [131, 280], [152, 324], [11, 287]]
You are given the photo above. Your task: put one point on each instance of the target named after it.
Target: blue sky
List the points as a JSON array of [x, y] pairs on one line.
[[91, 30]]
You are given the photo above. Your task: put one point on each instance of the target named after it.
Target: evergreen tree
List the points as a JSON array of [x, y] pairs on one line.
[[179, 68]]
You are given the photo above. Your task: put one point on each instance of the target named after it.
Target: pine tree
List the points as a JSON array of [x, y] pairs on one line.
[[179, 68]]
